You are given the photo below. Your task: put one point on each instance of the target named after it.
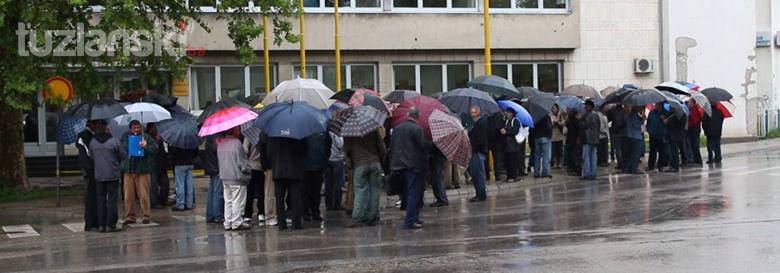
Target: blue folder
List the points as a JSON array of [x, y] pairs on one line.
[[134, 148]]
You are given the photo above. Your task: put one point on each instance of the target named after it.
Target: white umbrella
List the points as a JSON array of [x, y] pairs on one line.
[[308, 90], [144, 112]]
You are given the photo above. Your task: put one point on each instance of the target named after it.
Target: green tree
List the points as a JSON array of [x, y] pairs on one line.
[[23, 74]]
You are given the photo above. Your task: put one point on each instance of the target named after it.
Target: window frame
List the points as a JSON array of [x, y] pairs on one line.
[[193, 97], [389, 7], [347, 72], [535, 66], [444, 82]]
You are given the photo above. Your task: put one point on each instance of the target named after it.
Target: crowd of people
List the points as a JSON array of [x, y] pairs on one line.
[[279, 181]]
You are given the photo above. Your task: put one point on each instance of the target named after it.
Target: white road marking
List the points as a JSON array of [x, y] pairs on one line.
[[75, 227], [139, 224], [189, 218], [20, 231], [758, 170]]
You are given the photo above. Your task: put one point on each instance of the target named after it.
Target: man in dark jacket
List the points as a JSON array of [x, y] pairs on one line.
[[617, 133], [675, 124], [573, 155], [408, 148], [182, 173], [479, 148], [713, 128], [590, 141], [634, 138], [88, 171], [318, 151], [496, 144], [159, 184], [543, 133], [136, 173], [511, 147], [657, 130], [215, 203], [694, 131], [284, 158], [107, 154]]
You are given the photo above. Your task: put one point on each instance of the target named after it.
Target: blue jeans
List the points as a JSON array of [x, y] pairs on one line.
[[215, 203], [542, 152], [184, 187], [477, 173], [414, 195], [589, 161], [368, 184], [334, 180]]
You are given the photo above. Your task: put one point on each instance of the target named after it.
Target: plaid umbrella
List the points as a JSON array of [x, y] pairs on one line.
[[357, 121], [426, 105], [68, 129], [450, 137], [359, 96], [702, 101]]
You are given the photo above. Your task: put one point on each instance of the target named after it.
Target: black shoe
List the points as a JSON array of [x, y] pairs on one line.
[[102, 229], [710, 162], [439, 204], [282, 227], [189, 208], [547, 176], [92, 229], [354, 225], [145, 221], [317, 218], [177, 209], [113, 229], [243, 227], [307, 218], [414, 226], [128, 222], [523, 174], [476, 199]]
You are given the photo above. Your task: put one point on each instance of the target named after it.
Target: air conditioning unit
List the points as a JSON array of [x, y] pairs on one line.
[[643, 66]]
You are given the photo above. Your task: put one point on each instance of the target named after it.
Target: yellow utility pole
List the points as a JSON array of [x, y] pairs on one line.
[[302, 30], [337, 45], [266, 56], [486, 7]]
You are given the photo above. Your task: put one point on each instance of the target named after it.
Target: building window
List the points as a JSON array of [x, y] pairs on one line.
[[210, 84], [342, 4], [434, 3], [543, 76], [352, 75], [529, 4], [429, 79]]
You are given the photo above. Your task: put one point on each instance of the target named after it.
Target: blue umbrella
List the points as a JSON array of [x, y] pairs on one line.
[[290, 119], [520, 113], [68, 129], [569, 101], [180, 132]]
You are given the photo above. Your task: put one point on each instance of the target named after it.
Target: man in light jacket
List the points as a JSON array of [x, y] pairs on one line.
[[234, 170], [107, 153]]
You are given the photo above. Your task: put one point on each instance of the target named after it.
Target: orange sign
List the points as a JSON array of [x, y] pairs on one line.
[[58, 87], [181, 87]]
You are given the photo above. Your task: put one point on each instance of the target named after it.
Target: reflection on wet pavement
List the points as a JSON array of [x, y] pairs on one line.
[[712, 219]]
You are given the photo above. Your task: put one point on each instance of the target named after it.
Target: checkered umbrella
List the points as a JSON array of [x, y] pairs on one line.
[[69, 128], [450, 137], [357, 121]]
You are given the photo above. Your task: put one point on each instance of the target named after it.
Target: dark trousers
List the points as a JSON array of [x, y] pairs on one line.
[[557, 153], [693, 142], [675, 146], [90, 202], [255, 190], [293, 189], [573, 157], [619, 144], [312, 197], [159, 188], [498, 161], [334, 180], [436, 178], [414, 195], [602, 151], [713, 149], [531, 145], [512, 164], [632, 150], [657, 157], [521, 160], [107, 214]]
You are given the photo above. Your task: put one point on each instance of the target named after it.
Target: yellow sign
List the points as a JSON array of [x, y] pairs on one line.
[[181, 87], [58, 87]]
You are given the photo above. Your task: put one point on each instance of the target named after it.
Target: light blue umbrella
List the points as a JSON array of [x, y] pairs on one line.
[[520, 113]]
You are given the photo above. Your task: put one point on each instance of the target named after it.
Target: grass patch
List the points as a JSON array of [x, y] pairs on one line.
[[8, 195], [775, 133]]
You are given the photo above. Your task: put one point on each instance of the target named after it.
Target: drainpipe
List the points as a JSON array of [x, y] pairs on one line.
[[663, 29]]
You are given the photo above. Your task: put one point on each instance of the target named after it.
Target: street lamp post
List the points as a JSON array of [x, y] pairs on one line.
[[486, 7], [302, 30], [337, 45]]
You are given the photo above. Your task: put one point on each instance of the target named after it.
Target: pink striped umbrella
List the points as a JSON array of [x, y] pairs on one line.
[[226, 119]]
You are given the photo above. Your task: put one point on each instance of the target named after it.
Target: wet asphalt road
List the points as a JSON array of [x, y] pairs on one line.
[[712, 219]]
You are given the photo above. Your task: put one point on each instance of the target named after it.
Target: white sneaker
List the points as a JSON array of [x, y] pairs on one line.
[[271, 222], [261, 217], [247, 221]]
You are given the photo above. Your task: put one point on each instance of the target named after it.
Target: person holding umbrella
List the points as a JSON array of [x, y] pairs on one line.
[[511, 147], [675, 124], [365, 154], [543, 132], [182, 167], [215, 203], [159, 186], [573, 154], [713, 128], [694, 130], [141, 149], [557, 136], [634, 140], [107, 154], [657, 130], [408, 157], [234, 170], [88, 171], [318, 152], [478, 135], [590, 141]]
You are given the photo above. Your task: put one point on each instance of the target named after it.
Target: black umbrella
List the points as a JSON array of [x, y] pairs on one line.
[[343, 95], [399, 96], [99, 109], [223, 104], [181, 133], [178, 112], [494, 85], [254, 99], [540, 105], [161, 100], [462, 99], [437, 95], [715, 94], [376, 102], [528, 92], [617, 96], [644, 97]]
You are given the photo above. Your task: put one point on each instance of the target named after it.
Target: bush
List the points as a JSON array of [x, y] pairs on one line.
[[775, 133], [9, 195]]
